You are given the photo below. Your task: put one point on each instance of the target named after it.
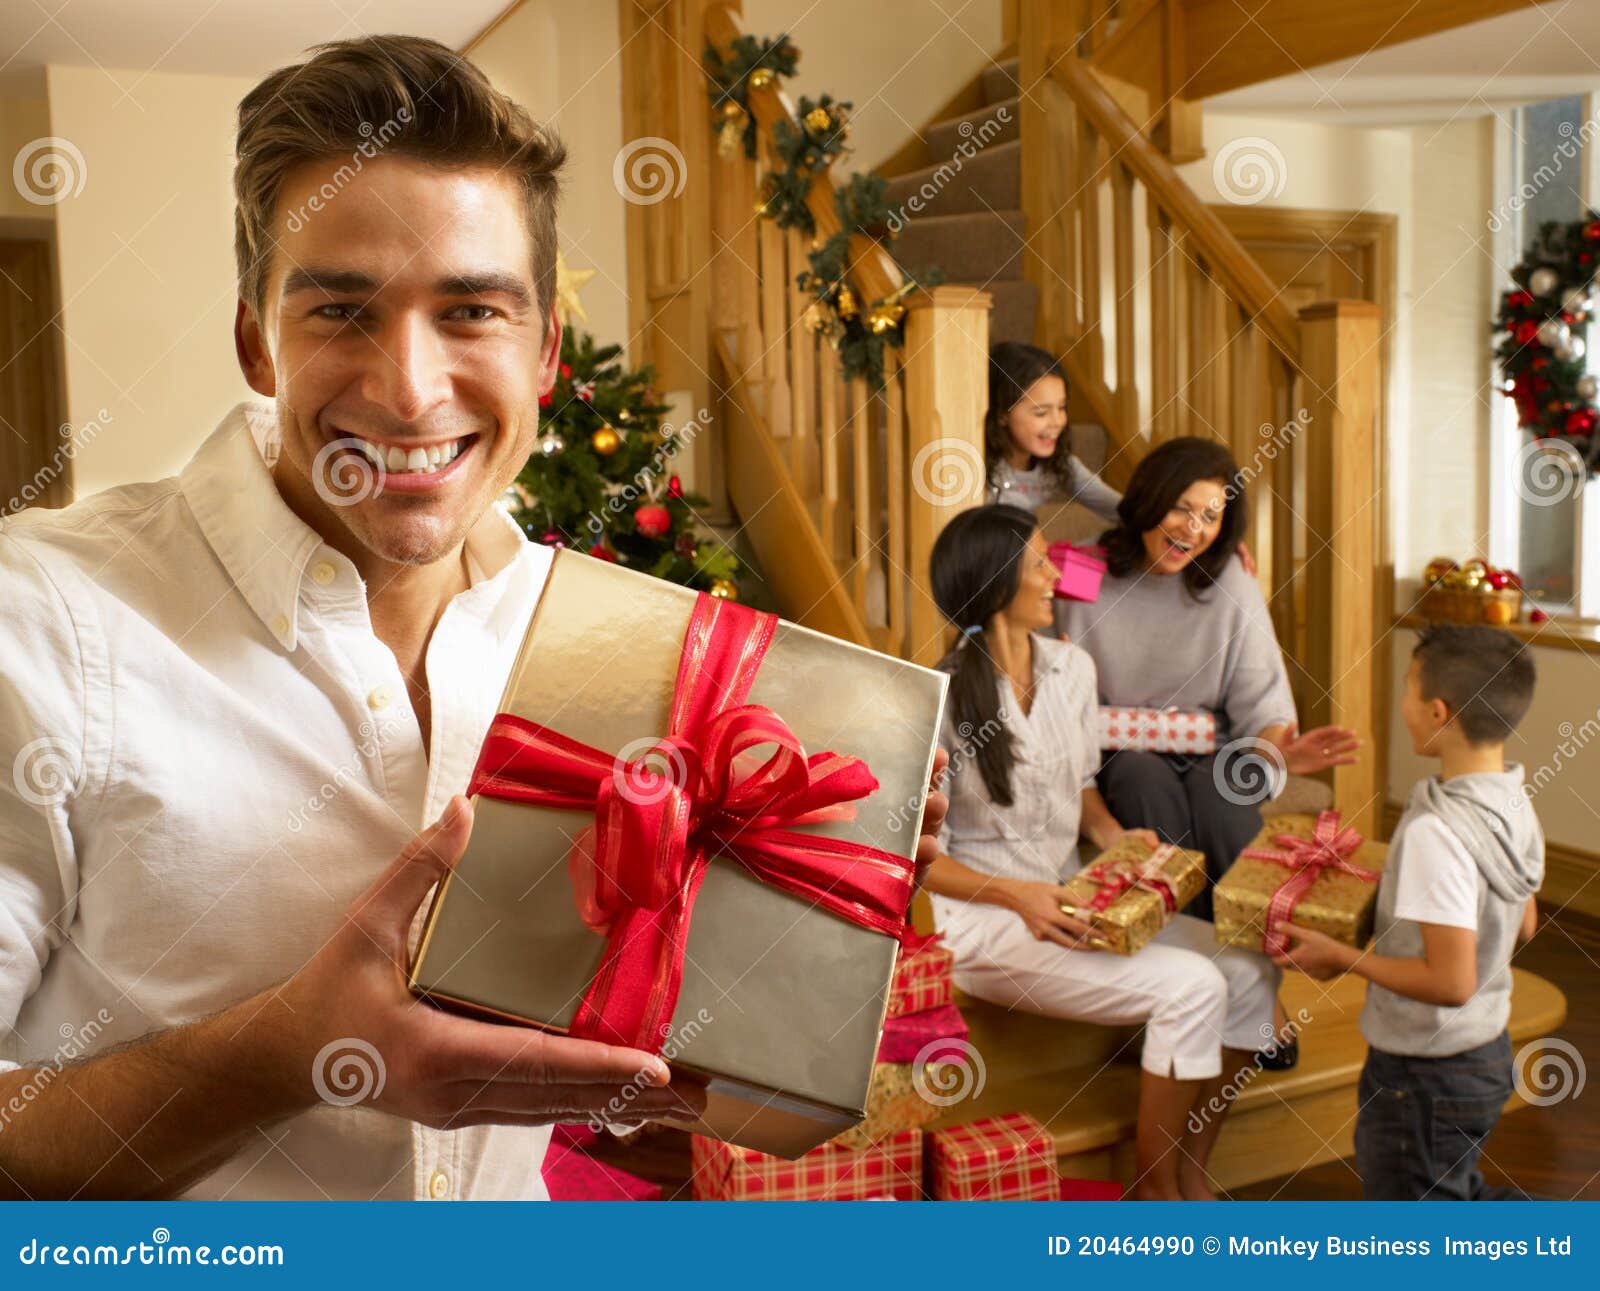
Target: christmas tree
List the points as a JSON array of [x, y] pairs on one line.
[[602, 478]]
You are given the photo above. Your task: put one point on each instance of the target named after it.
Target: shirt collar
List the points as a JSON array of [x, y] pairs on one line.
[[265, 546]]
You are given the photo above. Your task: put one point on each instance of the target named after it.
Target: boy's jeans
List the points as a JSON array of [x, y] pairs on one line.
[[1423, 1121]]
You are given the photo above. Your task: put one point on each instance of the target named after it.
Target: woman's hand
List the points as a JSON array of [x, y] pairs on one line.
[[1038, 905], [1316, 750], [1111, 837]]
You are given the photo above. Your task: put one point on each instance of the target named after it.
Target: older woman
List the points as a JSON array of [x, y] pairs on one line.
[[1179, 623]]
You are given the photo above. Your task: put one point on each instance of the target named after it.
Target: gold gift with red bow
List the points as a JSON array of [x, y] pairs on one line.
[[693, 835], [1311, 871], [1130, 891]]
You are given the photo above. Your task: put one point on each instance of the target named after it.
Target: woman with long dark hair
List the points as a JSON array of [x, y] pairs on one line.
[[1021, 728], [1180, 624]]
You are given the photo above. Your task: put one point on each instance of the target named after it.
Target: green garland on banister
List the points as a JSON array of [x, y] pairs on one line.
[[806, 148]]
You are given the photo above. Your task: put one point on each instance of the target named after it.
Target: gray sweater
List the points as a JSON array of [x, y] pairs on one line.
[[1490, 816], [1156, 646], [1032, 488]]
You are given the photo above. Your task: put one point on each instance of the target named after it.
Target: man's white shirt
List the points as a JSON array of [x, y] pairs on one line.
[[211, 755]]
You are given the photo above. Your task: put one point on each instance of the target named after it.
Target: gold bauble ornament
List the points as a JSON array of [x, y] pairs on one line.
[[845, 303], [761, 78], [1437, 568], [817, 120], [605, 441], [724, 589]]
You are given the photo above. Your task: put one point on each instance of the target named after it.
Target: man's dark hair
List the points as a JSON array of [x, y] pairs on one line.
[[1484, 675]]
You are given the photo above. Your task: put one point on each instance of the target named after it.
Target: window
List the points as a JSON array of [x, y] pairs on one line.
[[1545, 153]]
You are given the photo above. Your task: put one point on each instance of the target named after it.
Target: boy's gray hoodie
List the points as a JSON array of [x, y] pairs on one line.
[[1490, 814]]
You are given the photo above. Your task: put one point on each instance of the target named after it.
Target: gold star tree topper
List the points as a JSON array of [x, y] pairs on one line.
[[568, 283]]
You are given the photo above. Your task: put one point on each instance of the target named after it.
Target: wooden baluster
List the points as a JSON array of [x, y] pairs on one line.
[[1340, 360], [774, 329], [1123, 282], [1163, 342], [864, 511], [830, 517], [1222, 327], [896, 564], [1088, 201], [801, 345], [1183, 272]]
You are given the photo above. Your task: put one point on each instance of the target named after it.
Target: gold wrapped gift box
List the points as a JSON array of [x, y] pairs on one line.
[[898, 1100], [1129, 923], [1339, 904], [781, 1002]]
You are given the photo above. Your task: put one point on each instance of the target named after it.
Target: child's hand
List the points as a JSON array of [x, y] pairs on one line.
[[1315, 954]]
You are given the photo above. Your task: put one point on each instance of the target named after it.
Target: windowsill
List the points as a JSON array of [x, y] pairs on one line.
[[1560, 633]]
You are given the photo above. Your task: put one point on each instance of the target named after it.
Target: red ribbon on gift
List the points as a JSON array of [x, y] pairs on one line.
[[638, 868], [1328, 848], [1120, 876]]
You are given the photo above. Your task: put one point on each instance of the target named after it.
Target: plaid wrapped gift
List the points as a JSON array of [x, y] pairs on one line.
[[890, 1168], [1304, 870], [1000, 1158], [921, 976], [903, 1039], [1130, 891], [1157, 730], [896, 1101]]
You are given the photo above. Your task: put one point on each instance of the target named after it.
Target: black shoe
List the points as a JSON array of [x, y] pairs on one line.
[[1279, 1056]]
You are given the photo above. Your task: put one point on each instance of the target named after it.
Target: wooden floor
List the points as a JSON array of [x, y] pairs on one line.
[[1304, 1116]]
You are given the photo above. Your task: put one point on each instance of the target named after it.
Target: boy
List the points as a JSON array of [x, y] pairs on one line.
[[1457, 892]]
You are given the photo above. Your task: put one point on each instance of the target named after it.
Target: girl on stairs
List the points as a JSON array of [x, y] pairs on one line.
[[1022, 734]]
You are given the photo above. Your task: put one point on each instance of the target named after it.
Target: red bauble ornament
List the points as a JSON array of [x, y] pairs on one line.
[[553, 538], [1519, 299], [1537, 616], [545, 400], [1591, 231], [674, 487], [566, 370], [1498, 579], [603, 553], [1525, 332], [1540, 361], [652, 520]]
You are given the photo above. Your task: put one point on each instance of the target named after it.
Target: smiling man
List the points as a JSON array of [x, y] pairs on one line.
[[240, 705]]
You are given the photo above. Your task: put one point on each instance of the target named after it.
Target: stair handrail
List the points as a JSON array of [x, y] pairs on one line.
[[1230, 262]]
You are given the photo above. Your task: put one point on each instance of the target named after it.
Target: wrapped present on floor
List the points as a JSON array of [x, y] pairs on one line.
[[1000, 1158], [921, 976], [683, 808], [571, 1174], [889, 1169], [1305, 870], [1082, 569], [1091, 1190], [1131, 890], [1158, 730], [897, 1100], [922, 1034]]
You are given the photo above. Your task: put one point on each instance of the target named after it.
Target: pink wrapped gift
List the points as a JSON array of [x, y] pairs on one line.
[[571, 1174], [921, 975], [905, 1037], [1157, 730], [1081, 568]]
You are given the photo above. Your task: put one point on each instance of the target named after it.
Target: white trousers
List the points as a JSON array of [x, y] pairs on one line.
[[1192, 996]]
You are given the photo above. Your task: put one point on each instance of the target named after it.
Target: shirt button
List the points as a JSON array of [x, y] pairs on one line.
[[379, 698], [439, 1186], [322, 572]]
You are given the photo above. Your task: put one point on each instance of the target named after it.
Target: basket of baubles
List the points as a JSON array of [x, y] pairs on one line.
[[1471, 592]]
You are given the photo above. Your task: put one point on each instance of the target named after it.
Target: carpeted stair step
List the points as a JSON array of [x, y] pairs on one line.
[[1016, 305], [990, 181], [985, 127], [979, 248], [1000, 81]]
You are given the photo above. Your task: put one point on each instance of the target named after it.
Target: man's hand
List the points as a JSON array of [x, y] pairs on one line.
[[933, 813], [1315, 954], [442, 1070]]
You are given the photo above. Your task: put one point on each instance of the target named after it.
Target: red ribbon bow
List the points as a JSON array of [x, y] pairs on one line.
[[1119, 876], [1328, 848], [638, 868]]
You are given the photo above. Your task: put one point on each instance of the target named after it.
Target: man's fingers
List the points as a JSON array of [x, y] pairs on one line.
[[393, 900], [608, 1102], [532, 1057]]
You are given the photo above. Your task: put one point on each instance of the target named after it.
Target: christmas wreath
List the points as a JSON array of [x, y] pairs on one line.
[[1541, 347]]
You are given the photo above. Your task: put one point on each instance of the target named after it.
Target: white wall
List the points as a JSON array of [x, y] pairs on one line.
[[146, 266], [563, 62]]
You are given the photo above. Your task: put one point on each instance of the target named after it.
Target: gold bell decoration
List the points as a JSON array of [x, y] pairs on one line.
[[605, 441], [724, 589], [885, 317], [761, 78], [730, 137], [845, 302]]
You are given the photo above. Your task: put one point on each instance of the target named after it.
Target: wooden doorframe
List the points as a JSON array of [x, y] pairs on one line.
[[43, 473], [1376, 236]]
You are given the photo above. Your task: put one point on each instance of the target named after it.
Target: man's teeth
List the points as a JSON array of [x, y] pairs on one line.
[[415, 461]]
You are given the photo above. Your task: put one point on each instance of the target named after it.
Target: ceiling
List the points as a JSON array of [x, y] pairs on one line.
[[1545, 52], [226, 37]]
